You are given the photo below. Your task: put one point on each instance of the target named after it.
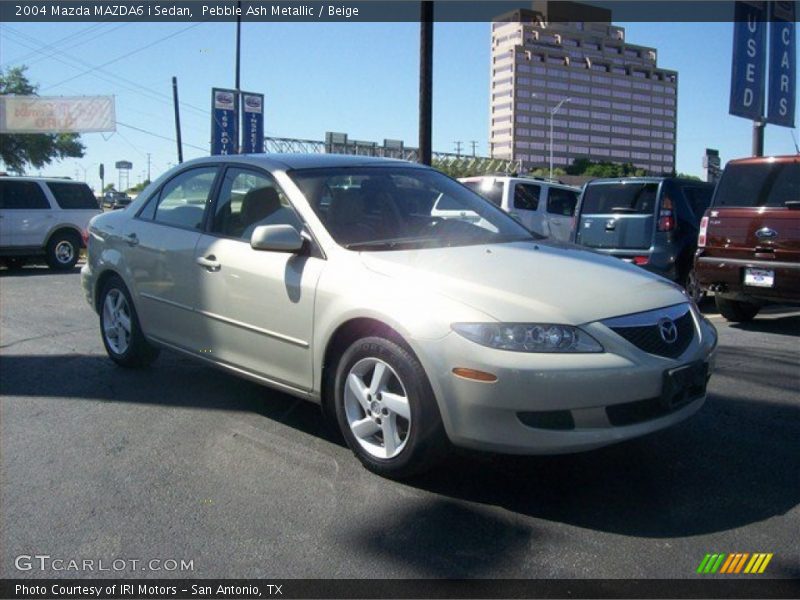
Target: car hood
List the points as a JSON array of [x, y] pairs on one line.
[[528, 282]]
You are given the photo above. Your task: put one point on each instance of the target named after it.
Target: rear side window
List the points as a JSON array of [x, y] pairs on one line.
[[526, 196], [614, 198], [561, 202], [759, 184], [492, 191], [72, 195], [184, 198], [22, 195]]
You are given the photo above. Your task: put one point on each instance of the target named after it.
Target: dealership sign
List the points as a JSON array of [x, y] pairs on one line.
[[224, 117], [252, 123], [56, 114], [782, 65], [748, 73], [749, 67]]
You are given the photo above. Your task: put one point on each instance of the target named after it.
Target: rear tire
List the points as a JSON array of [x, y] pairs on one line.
[[736, 310], [399, 403], [119, 327], [63, 250]]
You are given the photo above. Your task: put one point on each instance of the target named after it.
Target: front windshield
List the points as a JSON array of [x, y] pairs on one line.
[[393, 208]]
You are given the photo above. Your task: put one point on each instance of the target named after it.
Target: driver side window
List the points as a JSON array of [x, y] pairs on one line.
[[249, 199]]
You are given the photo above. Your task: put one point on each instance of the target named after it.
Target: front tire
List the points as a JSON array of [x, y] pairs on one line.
[[63, 250], [119, 327], [692, 287], [736, 310], [386, 409]]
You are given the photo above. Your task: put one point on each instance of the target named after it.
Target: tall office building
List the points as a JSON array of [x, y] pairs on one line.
[[618, 105]]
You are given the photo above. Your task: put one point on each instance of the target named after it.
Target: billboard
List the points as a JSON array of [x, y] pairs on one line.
[[252, 123], [224, 117], [748, 71], [782, 65], [57, 114]]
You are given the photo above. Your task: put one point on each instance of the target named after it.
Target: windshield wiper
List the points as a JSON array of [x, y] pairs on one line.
[[386, 244]]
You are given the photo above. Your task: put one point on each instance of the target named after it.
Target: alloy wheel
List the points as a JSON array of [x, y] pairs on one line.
[[377, 408], [117, 321]]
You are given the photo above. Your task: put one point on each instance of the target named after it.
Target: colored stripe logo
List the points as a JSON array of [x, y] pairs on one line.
[[734, 564]]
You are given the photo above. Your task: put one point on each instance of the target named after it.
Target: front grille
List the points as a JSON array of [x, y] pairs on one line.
[[648, 337]]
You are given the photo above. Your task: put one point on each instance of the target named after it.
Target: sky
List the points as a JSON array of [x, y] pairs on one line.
[[357, 78]]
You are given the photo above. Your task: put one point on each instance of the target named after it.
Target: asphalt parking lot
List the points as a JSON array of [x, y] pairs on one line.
[[181, 461]]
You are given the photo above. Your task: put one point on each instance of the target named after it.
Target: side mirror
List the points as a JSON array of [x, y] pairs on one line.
[[276, 238]]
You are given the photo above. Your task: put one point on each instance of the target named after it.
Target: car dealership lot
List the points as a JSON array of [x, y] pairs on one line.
[[181, 461]]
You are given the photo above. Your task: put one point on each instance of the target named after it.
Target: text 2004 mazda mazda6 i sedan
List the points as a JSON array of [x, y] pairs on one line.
[[328, 277]]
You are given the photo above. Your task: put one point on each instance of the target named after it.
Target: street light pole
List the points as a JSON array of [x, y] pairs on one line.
[[553, 112]]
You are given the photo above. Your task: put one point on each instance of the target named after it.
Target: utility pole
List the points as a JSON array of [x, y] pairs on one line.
[[425, 81], [474, 145], [458, 147], [758, 137], [177, 118], [148, 167], [553, 112]]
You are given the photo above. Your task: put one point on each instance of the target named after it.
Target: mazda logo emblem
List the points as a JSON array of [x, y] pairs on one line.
[[668, 330]]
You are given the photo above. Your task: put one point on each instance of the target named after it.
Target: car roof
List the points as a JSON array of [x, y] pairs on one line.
[[305, 161], [683, 180], [523, 178], [763, 159], [44, 179]]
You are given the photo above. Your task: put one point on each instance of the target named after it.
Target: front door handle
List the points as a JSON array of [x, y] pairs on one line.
[[208, 262], [132, 240]]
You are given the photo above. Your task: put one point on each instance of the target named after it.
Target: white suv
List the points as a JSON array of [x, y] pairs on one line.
[[543, 206], [44, 217]]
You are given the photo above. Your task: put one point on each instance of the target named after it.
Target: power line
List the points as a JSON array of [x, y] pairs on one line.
[[163, 137], [128, 84], [84, 39], [58, 41], [128, 54]]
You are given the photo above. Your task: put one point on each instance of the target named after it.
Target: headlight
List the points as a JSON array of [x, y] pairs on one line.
[[528, 337]]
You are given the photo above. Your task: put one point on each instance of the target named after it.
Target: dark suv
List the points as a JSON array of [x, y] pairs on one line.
[[749, 246], [652, 222]]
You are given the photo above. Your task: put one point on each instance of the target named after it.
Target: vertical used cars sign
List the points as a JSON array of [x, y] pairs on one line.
[[748, 71], [224, 117], [252, 123]]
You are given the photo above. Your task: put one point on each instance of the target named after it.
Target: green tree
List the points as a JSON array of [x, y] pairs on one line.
[[110, 187], [545, 172], [139, 187], [21, 150], [687, 176]]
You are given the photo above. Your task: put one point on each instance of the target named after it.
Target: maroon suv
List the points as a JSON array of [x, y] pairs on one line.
[[749, 243]]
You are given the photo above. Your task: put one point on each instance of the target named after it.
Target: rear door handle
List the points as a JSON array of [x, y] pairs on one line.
[[132, 240], [210, 263]]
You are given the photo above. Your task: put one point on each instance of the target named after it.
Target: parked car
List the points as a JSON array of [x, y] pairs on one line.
[[543, 206], [115, 200], [44, 217], [749, 246], [333, 281], [652, 222]]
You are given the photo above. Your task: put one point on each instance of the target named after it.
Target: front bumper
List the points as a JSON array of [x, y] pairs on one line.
[[569, 395]]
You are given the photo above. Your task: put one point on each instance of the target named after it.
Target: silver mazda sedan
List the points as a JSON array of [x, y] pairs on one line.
[[329, 278]]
